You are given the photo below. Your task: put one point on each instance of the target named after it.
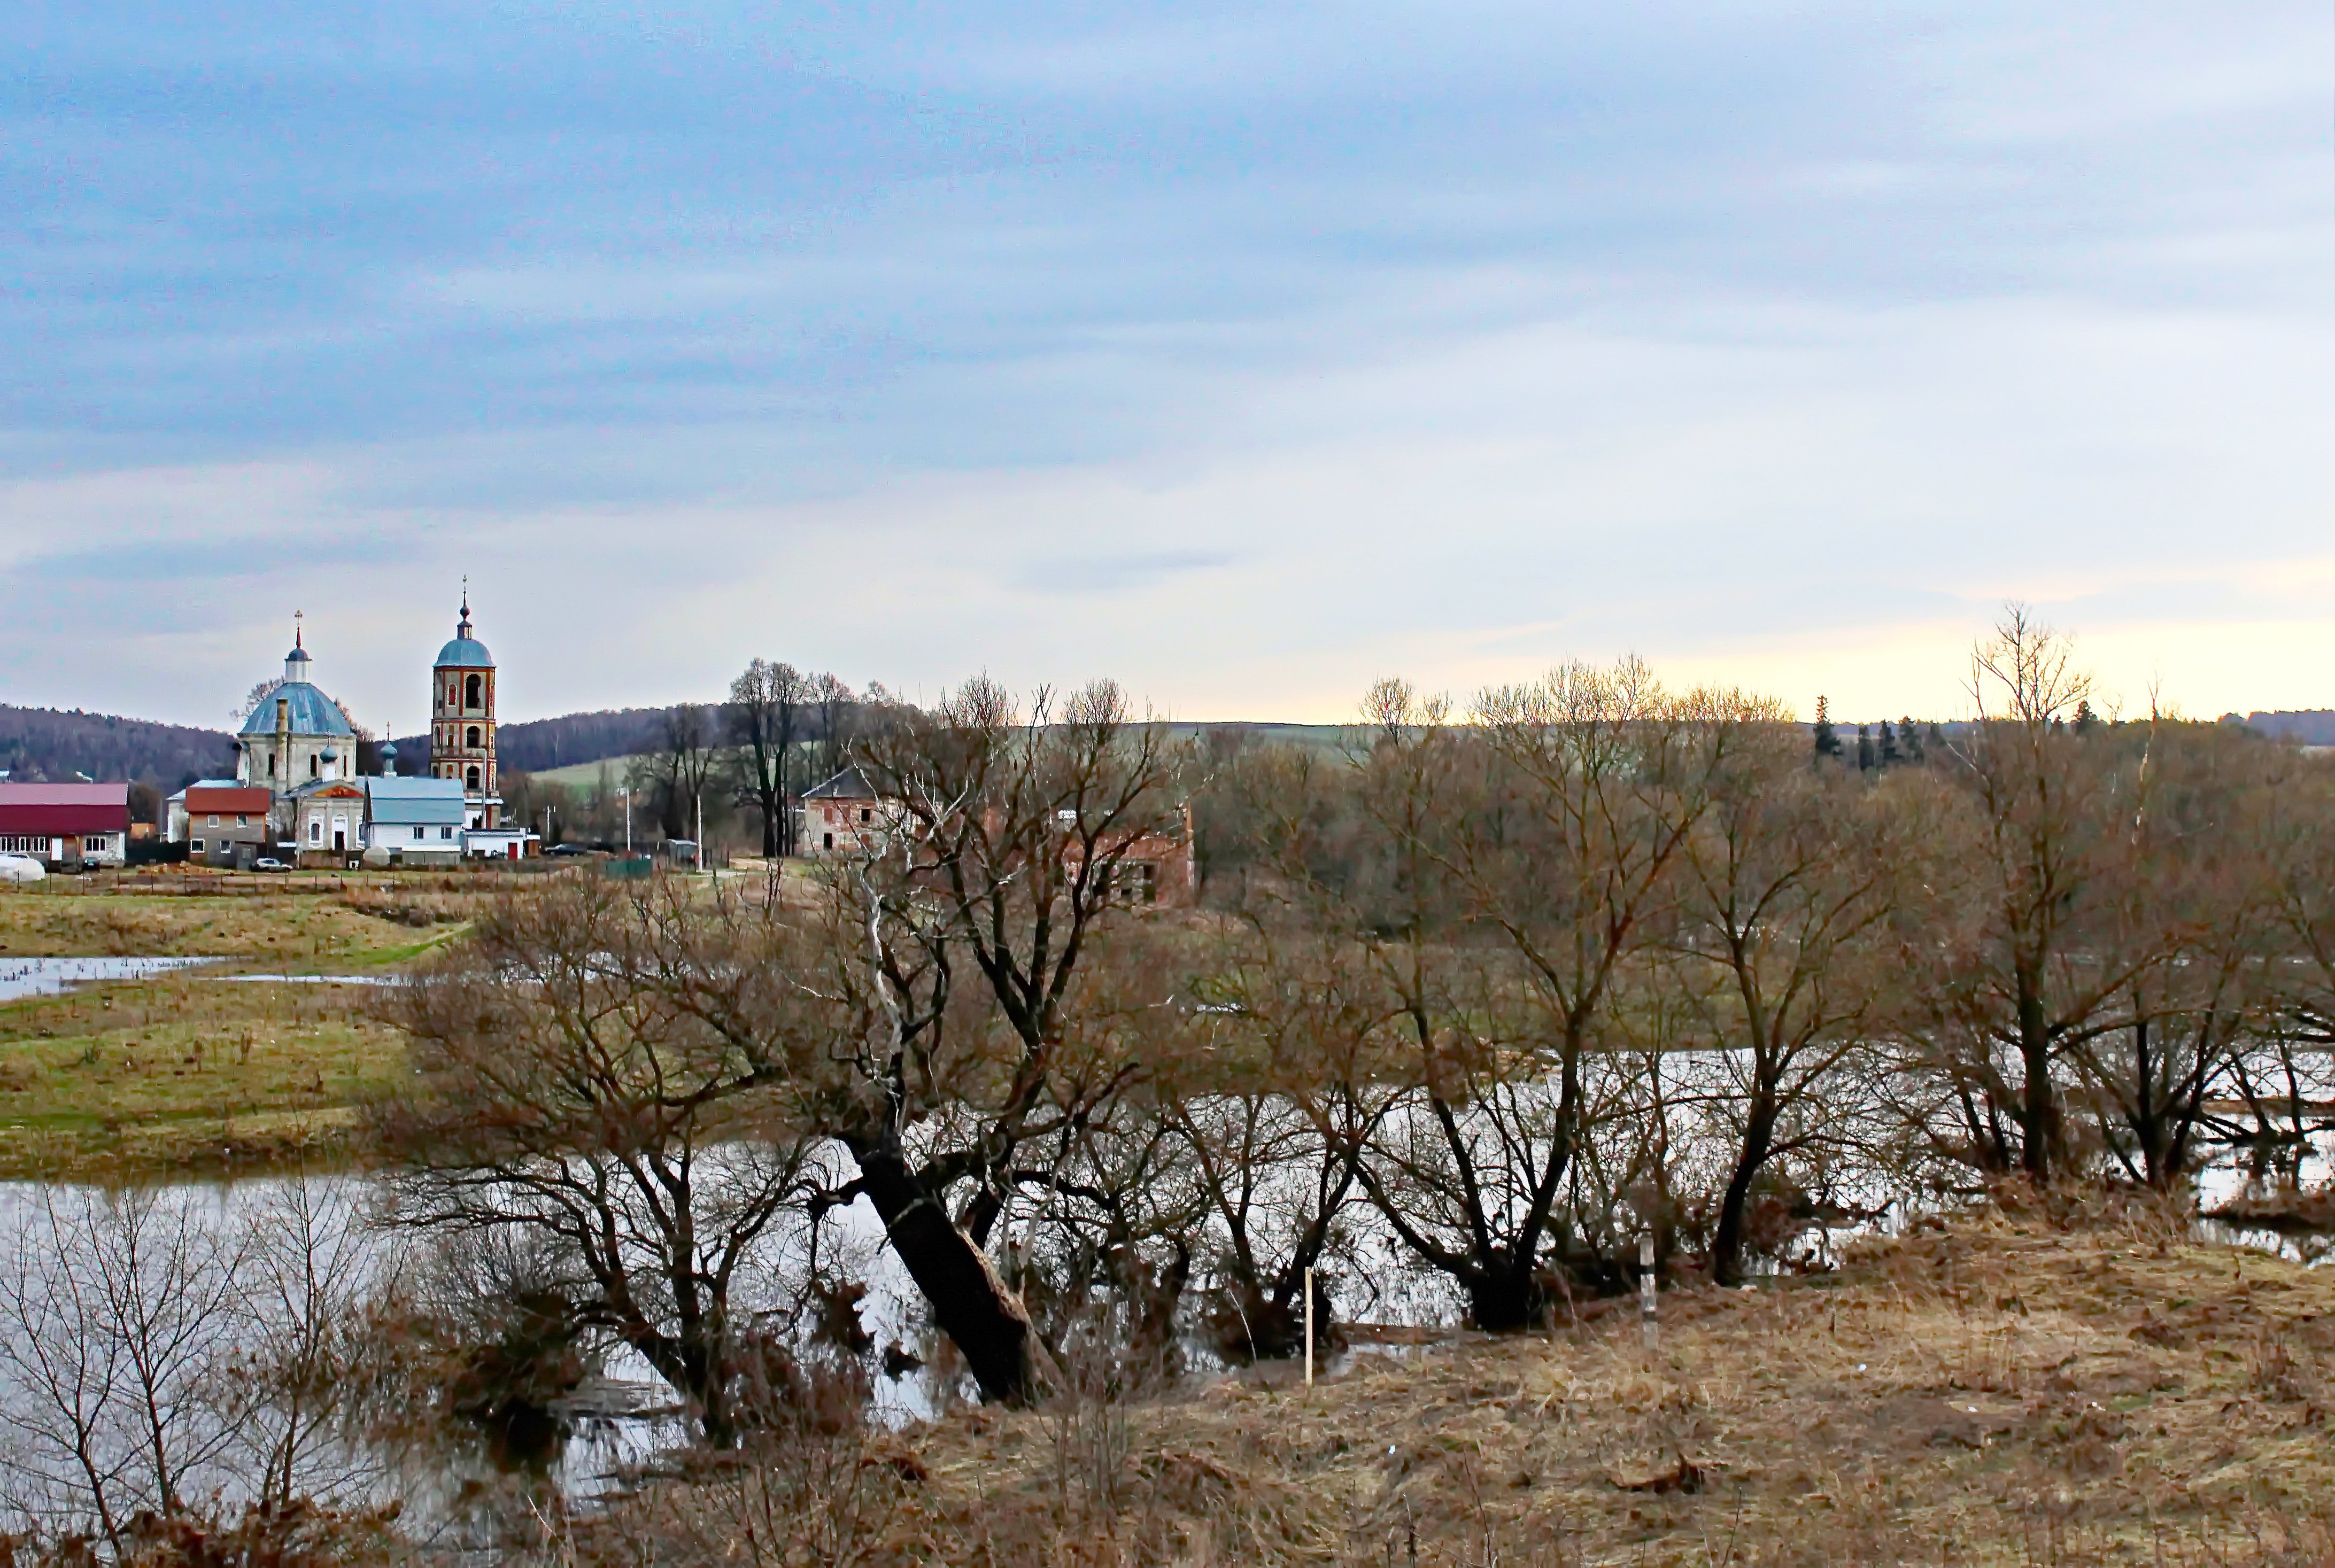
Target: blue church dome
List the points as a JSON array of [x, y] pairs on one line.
[[465, 652], [311, 711]]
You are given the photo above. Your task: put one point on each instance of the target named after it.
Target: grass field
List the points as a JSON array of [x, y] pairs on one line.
[[183, 1071], [356, 927], [586, 776]]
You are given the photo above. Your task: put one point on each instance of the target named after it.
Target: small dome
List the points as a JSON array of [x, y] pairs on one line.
[[465, 652], [298, 655]]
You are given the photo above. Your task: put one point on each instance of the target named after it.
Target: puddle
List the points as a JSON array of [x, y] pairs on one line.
[[22, 977]]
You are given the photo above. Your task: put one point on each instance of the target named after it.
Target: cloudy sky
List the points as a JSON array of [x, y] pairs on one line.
[[1242, 352]]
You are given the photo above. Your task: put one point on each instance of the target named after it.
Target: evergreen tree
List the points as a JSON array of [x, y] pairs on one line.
[[1864, 750], [1828, 744], [1911, 737], [1937, 737], [2084, 717], [1890, 755]]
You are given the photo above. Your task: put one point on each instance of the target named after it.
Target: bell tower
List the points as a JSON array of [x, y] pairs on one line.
[[462, 720]]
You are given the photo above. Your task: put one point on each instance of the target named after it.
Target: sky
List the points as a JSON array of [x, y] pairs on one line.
[[1241, 354]]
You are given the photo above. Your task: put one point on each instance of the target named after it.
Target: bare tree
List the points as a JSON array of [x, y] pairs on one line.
[[2206, 889], [1792, 878], [294, 1390], [766, 703], [1275, 1111], [676, 774], [573, 1090], [2044, 968], [2287, 1085], [835, 704], [114, 1308], [1006, 835], [1593, 781]]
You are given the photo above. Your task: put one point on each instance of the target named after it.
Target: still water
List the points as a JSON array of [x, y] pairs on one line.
[[22, 977]]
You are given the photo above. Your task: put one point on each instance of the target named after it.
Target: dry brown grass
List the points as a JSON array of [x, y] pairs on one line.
[[2002, 1392], [353, 924]]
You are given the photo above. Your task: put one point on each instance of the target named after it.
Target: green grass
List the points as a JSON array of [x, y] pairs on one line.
[[180, 1071], [183, 1072], [585, 777]]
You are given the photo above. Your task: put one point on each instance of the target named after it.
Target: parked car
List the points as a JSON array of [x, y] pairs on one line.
[[564, 850], [22, 868], [269, 863]]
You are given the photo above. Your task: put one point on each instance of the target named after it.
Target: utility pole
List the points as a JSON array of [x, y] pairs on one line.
[[1647, 1286], [700, 829], [1309, 1325]]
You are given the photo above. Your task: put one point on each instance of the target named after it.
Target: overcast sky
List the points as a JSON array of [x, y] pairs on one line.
[[1243, 354]]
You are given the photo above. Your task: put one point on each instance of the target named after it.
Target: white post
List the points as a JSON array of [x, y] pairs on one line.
[[628, 821], [1309, 1325], [1646, 1287], [701, 832]]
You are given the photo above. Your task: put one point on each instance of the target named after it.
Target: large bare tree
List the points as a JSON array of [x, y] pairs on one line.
[[675, 775], [1792, 879], [574, 1088], [2050, 958], [765, 710], [1007, 831]]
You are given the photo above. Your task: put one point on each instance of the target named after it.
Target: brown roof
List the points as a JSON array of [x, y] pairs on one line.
[[243, 801]]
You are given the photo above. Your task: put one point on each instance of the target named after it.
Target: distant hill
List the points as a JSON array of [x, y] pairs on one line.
[[2312, 726], [54, 745], [539, 745]]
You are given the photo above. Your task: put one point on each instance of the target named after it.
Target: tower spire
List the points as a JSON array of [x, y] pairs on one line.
[[297, 616], [463, 628]]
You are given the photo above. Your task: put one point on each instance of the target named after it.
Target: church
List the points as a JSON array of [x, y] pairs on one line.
[[299, 747]]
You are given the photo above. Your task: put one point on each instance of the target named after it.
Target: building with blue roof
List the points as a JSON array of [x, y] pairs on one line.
[[295, 735], [415, 821]]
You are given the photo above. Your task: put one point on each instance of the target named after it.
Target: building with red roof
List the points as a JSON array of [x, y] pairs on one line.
[[221, 823], [65, 824]]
